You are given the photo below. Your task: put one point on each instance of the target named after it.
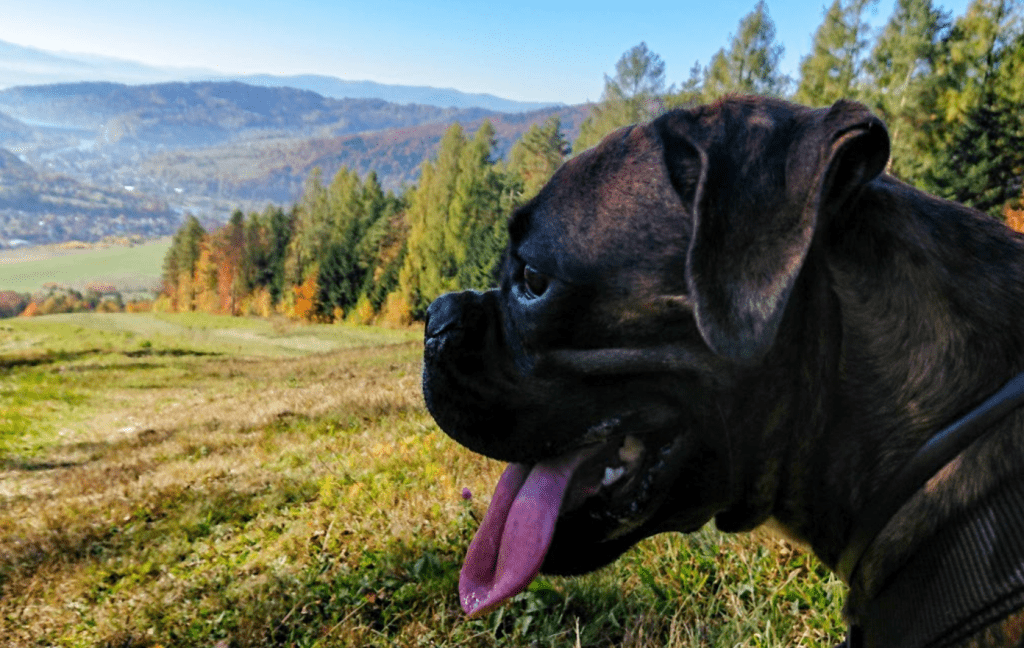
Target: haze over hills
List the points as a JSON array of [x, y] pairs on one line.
[[93, 146], [113, 159], [21, 65]]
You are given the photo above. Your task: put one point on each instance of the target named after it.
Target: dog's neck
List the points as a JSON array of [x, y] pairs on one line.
[[928, 299]]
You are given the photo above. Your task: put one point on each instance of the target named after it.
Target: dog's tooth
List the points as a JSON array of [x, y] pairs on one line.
[[631, 450], [612, 475]]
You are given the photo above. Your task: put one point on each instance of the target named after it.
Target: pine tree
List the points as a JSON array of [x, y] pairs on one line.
[[903, 86], [633, 95], [751, 65], [983, 161], [311, 230], [833, 69], [979, 42], [428, 269], [456, 220], [180, 264], [537, 154], [280, 226], [690, 93]]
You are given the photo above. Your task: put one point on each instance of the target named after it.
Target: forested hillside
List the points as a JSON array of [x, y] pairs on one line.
[[275, 169]]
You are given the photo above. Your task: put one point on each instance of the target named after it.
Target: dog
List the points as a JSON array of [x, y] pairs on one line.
[[734, 313]]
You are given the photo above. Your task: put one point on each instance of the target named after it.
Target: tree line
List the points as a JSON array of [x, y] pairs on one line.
[[950, 89], [348, 250]]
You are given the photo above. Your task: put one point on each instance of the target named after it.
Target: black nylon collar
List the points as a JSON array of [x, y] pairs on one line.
[[933, 455], [967, 541], [967, 577]]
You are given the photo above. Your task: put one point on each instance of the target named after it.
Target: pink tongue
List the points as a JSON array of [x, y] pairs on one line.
[[509, 548]]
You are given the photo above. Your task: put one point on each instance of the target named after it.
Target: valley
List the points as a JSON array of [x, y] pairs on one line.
[[83, 161]]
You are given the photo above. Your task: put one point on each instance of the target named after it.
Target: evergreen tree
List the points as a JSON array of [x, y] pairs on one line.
[[904, 88], [339, 280], [833, 69], [632, 96], [428, 269], [983, 160], [690, 93], [279, 227], [980, 41], [537, 154], [456, 220], [751, 65], [479, 213], [312, 230], [180, 264]]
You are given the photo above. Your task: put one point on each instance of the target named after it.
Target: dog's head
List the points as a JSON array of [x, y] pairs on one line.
[[643, 290]]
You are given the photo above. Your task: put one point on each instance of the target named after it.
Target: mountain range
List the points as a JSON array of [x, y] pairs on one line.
[[86, 160], [20, 65]]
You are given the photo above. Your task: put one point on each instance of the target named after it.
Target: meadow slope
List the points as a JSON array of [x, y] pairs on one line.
[[227, 483]]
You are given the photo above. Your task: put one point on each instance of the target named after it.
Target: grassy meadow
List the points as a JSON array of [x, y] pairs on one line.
[[128, 269], [220, 482]]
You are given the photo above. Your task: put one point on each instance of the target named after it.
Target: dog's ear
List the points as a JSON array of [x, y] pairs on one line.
[[759, 179]]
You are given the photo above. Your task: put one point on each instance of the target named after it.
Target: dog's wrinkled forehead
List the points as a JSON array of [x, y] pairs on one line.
[[611, 207]]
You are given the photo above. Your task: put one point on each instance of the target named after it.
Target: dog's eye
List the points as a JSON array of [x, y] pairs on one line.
[[536, 283]]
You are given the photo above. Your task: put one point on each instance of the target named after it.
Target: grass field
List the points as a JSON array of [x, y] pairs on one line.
[[127, 269], [229, 483]]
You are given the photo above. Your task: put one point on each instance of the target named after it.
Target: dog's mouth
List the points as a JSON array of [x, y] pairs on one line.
[[616, 485]]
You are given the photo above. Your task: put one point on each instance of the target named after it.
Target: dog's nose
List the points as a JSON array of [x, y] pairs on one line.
[[442, 314]]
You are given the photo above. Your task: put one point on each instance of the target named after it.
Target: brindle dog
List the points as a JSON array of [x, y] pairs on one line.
[[732, 312]]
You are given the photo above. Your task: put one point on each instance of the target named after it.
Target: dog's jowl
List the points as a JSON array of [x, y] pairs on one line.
[[734, 313]]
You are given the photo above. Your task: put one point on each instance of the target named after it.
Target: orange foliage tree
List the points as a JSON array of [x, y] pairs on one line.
[[305, 297]]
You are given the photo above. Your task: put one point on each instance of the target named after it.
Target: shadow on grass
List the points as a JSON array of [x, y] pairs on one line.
[[49, 357], [53, 357]]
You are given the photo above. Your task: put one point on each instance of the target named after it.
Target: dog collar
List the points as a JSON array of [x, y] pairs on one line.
[[965, 578], [933, 455]]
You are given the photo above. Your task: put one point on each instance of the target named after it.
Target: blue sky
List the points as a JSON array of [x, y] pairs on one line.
[[539, 50]]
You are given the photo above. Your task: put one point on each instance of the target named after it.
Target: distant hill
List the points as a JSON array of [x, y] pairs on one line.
[[207, 113], [276, 169], [94, 159], [400, 94], [45, 208], [13, 170], [21, 66], [12, 130]]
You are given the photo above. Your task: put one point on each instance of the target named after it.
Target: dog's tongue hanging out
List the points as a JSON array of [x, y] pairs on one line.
[[509, 548]]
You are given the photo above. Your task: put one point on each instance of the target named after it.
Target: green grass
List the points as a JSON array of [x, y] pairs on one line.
[[127, 269], [162, 487]]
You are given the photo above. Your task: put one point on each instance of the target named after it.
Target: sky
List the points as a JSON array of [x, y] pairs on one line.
[[529, 50]]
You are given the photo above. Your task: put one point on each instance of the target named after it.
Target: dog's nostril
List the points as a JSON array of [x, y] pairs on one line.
[[442, 314]]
